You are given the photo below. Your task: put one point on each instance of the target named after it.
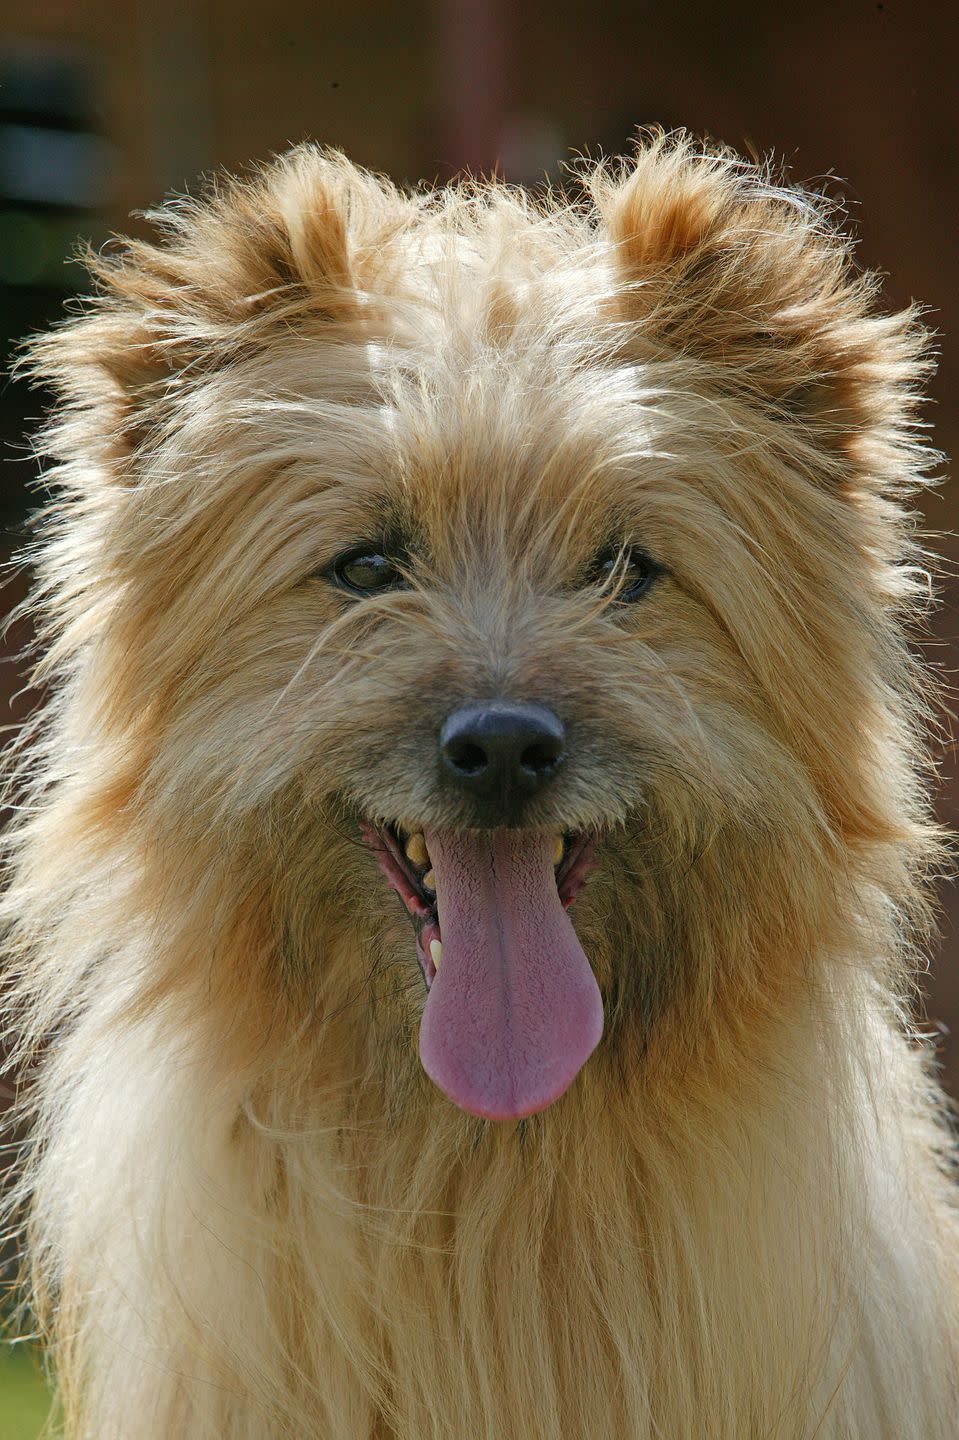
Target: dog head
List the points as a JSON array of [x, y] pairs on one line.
[[504, 597]]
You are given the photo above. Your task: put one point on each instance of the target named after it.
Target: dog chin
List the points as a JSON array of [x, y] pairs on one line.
[[513, 1009]]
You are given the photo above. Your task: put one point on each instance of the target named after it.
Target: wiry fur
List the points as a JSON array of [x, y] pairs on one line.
[[251, 1214]]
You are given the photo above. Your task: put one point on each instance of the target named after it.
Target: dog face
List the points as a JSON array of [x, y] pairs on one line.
[[505, 590]]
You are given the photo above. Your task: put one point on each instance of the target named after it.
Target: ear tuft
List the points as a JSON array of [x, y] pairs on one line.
[[227, 271], [234, 251], [663, 206], [313, 219], [753, 280]]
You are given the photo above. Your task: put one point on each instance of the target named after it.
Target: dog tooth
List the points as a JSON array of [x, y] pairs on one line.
[[429, 880], [436, 953], [558, 850], [416, 849]]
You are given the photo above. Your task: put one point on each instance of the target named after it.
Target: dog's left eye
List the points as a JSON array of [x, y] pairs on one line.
[[629, 571], [366, 571]]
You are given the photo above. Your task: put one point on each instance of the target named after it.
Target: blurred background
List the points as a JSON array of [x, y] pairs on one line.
[[106, 107]]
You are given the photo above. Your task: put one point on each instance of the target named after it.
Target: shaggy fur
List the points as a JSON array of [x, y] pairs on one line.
[[251, 1214]]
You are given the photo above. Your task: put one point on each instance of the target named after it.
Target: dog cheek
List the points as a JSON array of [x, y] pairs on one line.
[[340, 928]]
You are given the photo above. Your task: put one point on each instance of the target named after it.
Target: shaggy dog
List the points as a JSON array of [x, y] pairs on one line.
[[463, 915]]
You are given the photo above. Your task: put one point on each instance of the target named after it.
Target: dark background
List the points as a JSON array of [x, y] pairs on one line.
[[105, 107]]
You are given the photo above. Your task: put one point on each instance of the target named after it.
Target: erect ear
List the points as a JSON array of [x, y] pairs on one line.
[[724, 267], [285, 249]]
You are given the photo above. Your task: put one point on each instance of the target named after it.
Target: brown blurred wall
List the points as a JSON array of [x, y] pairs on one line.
[[860, 97]]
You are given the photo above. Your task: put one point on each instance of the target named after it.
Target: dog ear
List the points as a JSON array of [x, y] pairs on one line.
[[226, 272], [725, 268]]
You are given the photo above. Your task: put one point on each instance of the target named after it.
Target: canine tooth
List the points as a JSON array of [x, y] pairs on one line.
[[429, 880], [436, 953], [416, 849], [558, 850]]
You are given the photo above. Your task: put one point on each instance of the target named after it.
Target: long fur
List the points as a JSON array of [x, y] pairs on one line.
[[249, 1213]]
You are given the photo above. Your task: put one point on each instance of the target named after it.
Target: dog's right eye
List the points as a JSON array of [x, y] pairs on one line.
[[365, 571]]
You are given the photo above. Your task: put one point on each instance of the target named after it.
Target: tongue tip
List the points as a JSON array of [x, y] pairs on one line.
[[501, 1110], [487, 1096], [499, 1114]]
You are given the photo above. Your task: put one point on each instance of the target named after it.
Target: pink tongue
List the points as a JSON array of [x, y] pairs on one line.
[[514, 1010]]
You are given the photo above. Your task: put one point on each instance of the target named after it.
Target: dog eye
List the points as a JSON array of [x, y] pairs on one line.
[[365, 571], [628, 571]]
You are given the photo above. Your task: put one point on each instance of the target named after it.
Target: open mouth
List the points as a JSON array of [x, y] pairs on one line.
[[404, 859], [513, 1008]]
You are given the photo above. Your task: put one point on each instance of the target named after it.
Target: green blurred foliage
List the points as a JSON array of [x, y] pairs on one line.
[[24, 1397]]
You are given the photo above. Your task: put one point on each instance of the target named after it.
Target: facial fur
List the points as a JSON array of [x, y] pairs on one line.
[[496, 392]]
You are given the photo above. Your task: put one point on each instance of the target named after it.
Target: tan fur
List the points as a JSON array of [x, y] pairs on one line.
[[251, 1215]]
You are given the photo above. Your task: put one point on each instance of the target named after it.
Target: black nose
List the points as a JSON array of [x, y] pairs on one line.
[[501, 751]]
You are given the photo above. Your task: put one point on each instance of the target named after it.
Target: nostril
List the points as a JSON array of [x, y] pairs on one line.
[[470, 759], [541, 758]]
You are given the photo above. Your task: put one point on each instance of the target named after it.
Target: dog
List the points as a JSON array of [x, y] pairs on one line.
[[473, 857]]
